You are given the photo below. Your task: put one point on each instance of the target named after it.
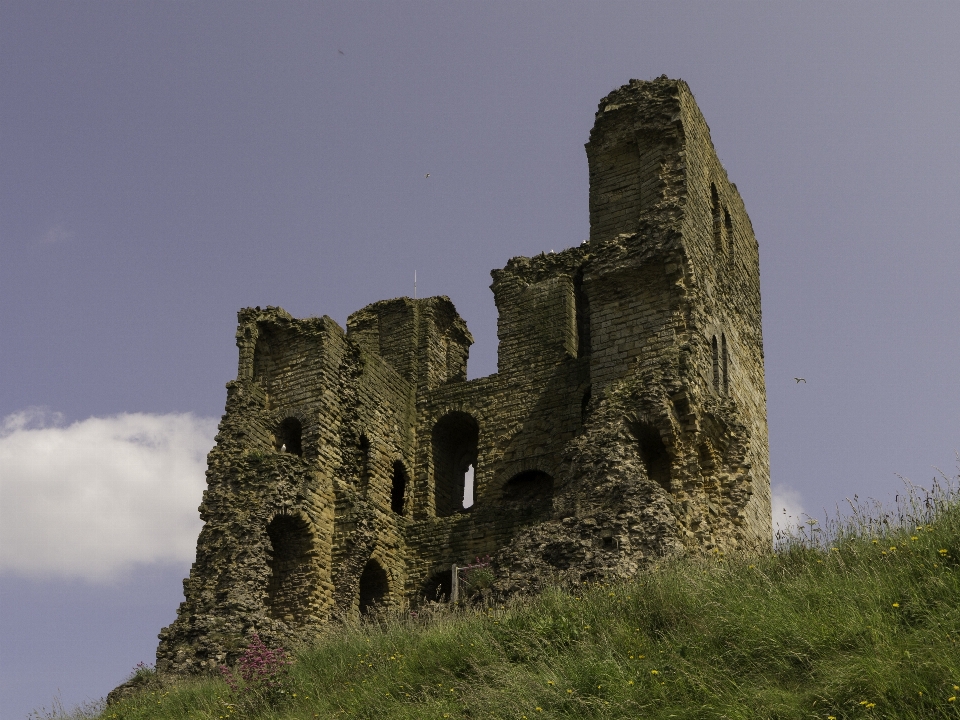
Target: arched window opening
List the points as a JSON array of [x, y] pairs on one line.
[[290, 436], [717, 216], [438, 587], [455, 439], [653, 454], [291, 576], [374, 587], [728, 231], [398, 488], [531, 488], [363, 448], [725, 360], [716, 364]]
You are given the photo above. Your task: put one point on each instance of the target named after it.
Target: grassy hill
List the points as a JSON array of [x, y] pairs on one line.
[[859, 620]]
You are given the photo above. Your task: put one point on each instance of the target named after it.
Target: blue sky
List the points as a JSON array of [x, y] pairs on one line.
[[164, 164]]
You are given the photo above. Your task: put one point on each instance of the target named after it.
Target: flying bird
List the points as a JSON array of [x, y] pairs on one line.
[[340, 51], [427, 175], [799, 380]]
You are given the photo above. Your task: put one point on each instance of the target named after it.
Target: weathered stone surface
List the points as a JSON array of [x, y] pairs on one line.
[[626, 421]]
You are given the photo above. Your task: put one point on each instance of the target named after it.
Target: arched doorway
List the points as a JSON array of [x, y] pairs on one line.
[[374, 587], [291, 575]]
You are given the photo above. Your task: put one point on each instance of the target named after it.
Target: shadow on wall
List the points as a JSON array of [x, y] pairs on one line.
[[653, 453], [289, 587]]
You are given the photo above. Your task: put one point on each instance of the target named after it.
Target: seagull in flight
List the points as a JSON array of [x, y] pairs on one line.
[[427, 175], [800, 380], [340, 51]]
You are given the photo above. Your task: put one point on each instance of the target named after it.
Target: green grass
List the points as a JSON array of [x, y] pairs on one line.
[[860, 620]]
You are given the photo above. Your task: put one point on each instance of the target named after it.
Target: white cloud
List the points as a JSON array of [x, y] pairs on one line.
[[57, 233], [787, 508], [93, 498]]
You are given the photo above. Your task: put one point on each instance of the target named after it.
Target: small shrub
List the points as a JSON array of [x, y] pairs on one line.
[[261, 676], [478, 577]]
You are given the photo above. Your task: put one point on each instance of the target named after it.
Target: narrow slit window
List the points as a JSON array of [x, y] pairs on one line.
[[716, 365], [726, 364], [717, 216], [728, 231]]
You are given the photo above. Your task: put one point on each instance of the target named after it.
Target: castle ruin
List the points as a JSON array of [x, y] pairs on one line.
[[626, 420]]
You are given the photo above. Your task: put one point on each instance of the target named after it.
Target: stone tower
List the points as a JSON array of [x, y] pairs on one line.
[[626, 420]]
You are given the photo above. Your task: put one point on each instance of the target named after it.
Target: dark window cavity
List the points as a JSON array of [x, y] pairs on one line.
[[438, 587], [398, 488], [455, 438], [290, 436], [653, 454]]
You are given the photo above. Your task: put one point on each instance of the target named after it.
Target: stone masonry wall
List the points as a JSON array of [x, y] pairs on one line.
[[626, 421]]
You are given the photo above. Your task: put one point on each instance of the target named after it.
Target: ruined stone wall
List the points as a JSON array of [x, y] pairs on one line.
[[626, 421]]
